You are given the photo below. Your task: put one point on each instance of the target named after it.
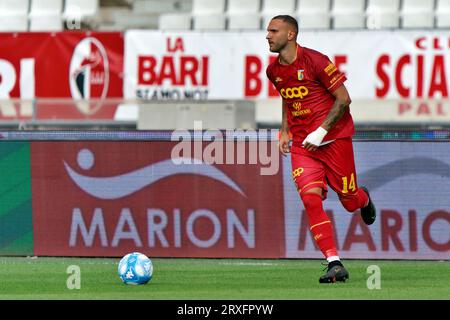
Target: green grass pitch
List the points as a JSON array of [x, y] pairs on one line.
[[221, 279]]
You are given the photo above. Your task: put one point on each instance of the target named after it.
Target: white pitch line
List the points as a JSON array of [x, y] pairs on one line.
[[250, 263]]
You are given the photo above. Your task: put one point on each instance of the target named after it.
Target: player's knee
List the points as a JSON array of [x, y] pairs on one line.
[[311, 200]]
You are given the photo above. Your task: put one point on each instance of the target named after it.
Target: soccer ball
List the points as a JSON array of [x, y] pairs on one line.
[[135, 268]]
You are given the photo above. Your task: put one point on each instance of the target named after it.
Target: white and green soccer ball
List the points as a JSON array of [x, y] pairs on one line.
[[135, 268]]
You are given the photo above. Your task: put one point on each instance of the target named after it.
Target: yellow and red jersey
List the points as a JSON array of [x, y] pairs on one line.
[[306, 87]]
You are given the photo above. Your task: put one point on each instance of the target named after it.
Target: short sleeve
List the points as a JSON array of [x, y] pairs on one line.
[[269, 73], [328, 74]]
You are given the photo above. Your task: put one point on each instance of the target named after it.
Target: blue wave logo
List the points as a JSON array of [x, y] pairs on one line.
[[123, 185]]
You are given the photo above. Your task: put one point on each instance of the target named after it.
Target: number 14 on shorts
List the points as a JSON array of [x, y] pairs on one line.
[[346, 185]]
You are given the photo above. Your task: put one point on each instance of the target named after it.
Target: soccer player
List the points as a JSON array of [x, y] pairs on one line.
[[316, 112]]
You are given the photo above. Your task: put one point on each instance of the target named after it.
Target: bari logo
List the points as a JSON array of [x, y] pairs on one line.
[[89, 75]]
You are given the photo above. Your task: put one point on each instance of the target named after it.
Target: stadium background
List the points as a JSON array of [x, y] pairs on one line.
[[90, 90]]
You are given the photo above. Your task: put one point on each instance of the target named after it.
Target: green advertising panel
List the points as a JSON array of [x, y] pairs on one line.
[[16, 227]]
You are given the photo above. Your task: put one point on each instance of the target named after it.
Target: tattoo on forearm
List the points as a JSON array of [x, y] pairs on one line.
[[336, 113]]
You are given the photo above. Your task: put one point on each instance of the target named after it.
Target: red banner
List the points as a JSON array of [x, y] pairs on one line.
[[110, 198], [76, 65]]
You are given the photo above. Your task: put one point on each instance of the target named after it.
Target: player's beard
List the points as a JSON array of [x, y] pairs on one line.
[[277, 47]]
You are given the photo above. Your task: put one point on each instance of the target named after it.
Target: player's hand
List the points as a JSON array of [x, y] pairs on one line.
[[283, 143], [314, 139]]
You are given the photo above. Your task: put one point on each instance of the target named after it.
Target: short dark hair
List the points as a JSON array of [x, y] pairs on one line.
[[289, 20]]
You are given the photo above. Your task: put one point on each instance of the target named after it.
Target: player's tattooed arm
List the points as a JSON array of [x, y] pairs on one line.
[[338, 109]]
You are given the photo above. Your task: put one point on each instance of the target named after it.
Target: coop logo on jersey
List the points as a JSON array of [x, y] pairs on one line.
[[295, 92], [125, 184], [89, 74]]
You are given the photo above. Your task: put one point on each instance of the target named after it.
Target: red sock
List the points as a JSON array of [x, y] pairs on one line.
[[355, 201], [320, 224]]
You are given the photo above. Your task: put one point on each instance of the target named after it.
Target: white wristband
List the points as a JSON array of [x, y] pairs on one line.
[[316, 137]]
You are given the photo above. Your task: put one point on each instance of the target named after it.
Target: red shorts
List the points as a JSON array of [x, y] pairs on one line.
[[331, 164]]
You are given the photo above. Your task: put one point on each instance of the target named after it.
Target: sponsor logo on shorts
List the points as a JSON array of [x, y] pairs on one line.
[[297, 172]]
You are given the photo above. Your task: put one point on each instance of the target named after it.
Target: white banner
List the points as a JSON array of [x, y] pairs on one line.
[[162, 66], [231, 65]]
